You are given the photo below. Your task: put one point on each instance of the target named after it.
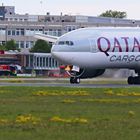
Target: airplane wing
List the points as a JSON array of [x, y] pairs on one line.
[[47, 38]]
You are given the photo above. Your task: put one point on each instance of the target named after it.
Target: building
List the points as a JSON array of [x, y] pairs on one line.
[[22, 28], [41, 63], [6, 10]]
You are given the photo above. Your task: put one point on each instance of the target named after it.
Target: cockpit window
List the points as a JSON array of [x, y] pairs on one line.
[[69, 43], [61, 43]]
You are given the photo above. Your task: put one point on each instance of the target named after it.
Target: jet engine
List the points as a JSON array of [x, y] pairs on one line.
[[82, 73], [86, 73]]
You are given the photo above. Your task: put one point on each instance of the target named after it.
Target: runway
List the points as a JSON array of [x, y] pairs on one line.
[[64, 82], [69, 85]]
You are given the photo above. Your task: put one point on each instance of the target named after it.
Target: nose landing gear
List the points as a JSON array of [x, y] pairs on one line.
[[75, 73], [74, 80]]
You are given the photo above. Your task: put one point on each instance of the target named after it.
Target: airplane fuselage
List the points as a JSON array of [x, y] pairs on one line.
[[100, 48]]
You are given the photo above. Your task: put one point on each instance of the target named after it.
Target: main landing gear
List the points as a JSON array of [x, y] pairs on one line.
[[74, 80], [134, 80]]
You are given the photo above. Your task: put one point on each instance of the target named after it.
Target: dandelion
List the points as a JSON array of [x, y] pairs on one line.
[[137, 101], [58, 119], [78, 93], [68, 101], [120, 94], [80, 120], [122, 101], [4, 91], [62, 93], [70, 120], [27, 119], [3, 121], [128, 94], [109, 92], [134, 94], [131, 113]]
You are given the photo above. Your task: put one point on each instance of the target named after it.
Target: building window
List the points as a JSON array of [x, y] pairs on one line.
[[22, 44], [37, 64], [18, 44], [2, 31], [9, 32], [70, 28], [22, 31], [31, 44], [29, 32], [3, 42], [17, 32], [27, 44], [13, 32]]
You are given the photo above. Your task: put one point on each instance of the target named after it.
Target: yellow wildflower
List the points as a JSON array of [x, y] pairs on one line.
[[4, 121], [70, 120], [27, 119], [68, 101], [109, 92], [131, 113], [62, 93]]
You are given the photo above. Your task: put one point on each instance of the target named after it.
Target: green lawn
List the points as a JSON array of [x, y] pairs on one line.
[[43, 113]]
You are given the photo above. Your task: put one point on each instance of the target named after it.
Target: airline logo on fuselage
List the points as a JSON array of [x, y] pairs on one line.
[[121, 44], [115, 44]]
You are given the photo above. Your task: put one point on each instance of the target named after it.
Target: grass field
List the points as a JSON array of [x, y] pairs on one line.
[[69, 113]]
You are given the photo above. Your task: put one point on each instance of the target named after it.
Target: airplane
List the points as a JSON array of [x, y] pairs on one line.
[[87, 52]]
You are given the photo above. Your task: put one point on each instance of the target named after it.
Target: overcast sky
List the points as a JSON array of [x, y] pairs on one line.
[[75, 7]]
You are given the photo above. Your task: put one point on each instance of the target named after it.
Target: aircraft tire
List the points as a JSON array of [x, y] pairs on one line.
[[77, 80], [133, 80], [137, 80], [74, 80], [130, 80]]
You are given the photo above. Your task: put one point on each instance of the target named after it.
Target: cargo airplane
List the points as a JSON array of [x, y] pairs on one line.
[[87, 52]]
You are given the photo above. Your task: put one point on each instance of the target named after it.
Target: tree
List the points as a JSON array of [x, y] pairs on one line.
[[114, 14], [41, 46], [10, 45], [2, 47]]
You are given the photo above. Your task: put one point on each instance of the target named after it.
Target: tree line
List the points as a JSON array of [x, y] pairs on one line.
[[9, 45], [40, 46], [113, 14]]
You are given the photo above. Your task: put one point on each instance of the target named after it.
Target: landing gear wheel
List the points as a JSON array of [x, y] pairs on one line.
[[134, 80], [74, 80], [130, 80]]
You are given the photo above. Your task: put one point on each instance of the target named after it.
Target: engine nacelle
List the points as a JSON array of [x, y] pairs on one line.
[[90, 73], [87, 73]]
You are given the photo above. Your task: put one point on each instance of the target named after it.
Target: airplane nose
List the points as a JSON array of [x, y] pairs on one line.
[[55, 48], [54, 52], [52, 49], [58, 54]]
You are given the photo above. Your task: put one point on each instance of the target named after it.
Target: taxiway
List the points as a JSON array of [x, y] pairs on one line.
[[69, 85]]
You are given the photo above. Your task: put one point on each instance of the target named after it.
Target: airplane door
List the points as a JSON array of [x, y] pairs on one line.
[[93, 45]]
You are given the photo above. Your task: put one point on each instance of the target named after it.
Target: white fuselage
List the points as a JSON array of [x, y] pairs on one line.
[[99, 48]]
